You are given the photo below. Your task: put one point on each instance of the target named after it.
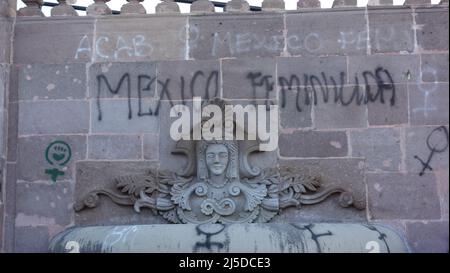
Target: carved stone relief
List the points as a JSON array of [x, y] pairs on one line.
[[219, 185]]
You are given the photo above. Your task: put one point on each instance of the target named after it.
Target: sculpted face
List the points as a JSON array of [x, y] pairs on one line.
[[217, 158]]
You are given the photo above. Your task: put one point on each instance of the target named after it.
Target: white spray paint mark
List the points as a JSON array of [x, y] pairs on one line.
[[83, 47], [98, 50], [373, 247], [117, 234], [336, 144], [427, 107], [72, 247], [51, 87], [361, 165], [141, 48], [309, 41], [358, 40], [218, 41], [105, 67], [136, 46], [377, 187]]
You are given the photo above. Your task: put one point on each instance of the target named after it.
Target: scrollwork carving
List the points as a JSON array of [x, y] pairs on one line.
[[221, 188]]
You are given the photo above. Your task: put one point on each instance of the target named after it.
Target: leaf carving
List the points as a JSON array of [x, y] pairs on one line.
[[299, 182], [134, 184], [169, 194]]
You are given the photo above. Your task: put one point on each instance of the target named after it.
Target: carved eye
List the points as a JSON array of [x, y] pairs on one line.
[[223, 155], [210, 155]]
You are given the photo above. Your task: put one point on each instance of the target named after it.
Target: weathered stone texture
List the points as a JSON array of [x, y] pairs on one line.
[[435, 67], [310, 34], [344, 3], [202, 6], [44, 204], [3, 85], [122, 116], [391, 31], [389, 112], [53, 117], [237, 6], [108, 213], [443, 185], [270, 5], [330, 115], [167, 160], [140, 39], [5, 39], [416, 145], [330, 66], [98, 8], [301, 4], [242, 78], [114, 147], [151, 147], [380, 147], [31, 240], [188, 79], [122, 80], [294, 113], [313, 144], [61, 81], [167, 7], [380, 3], [9, 209], [53, 40], [1, 226], [428, 103], [12, 131], [133, 7], [403, 196], [220, 36], [417, 2], [401, 68], [347, 173], [430, 237], [432, 32], [32, 161]]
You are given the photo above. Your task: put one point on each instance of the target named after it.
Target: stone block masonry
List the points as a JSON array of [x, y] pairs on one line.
[[362, 94]]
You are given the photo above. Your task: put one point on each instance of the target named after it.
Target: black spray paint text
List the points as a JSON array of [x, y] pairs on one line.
[[367, 87]]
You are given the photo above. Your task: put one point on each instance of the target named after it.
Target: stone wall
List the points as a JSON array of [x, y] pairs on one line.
[[102, 87], [6, 209]]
